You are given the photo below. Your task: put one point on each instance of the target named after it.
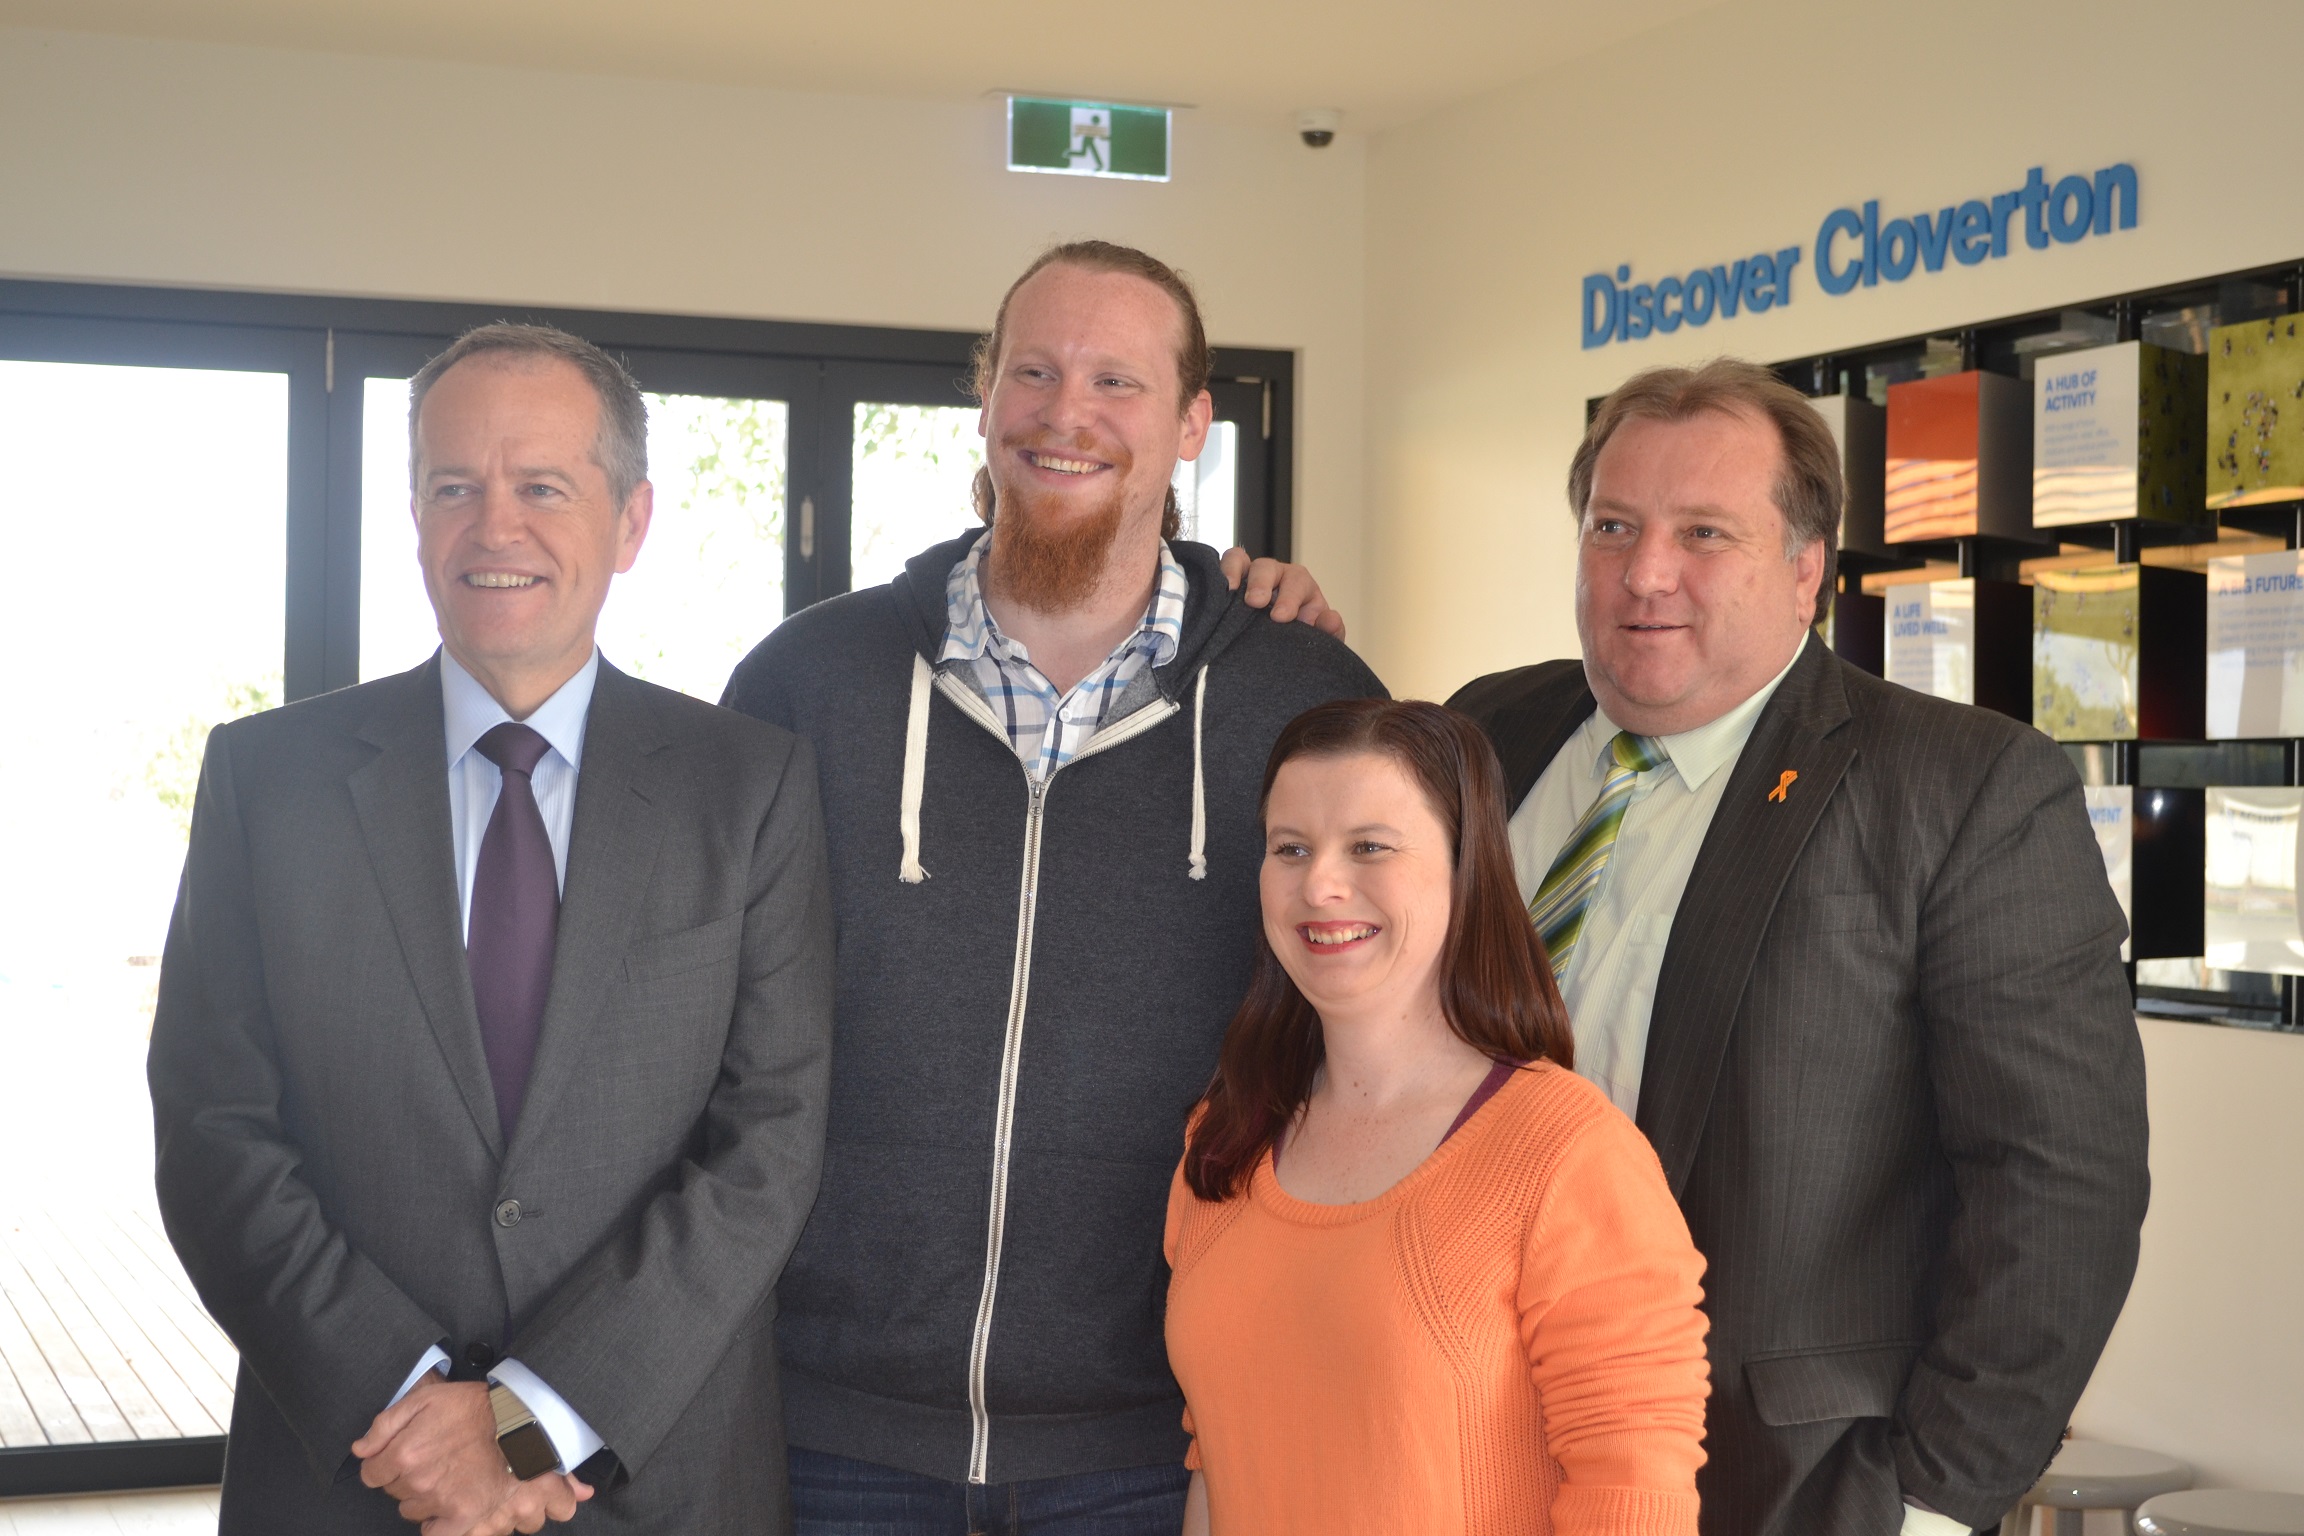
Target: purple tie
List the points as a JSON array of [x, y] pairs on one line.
[[515, 917]]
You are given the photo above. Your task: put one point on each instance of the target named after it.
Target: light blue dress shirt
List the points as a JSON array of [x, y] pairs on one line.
[[471, 712]]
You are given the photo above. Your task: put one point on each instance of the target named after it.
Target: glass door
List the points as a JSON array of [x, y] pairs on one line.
[[897, 455], [145, 602]]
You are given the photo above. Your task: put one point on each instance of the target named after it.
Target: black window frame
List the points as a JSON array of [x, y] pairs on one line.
[[327, 344]]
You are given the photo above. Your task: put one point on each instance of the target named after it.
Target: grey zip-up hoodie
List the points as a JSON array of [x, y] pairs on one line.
[[1031, 989]]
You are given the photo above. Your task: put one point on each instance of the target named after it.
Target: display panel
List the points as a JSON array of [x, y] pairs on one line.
[[2256, 646], [2085, 626], [2248, 916], [2118, 433], [1962, 639], [1959, 458], [2255, 382], [1932, 638], [2118, 652]]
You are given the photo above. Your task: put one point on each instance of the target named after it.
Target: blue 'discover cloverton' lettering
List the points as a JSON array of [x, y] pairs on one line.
[[1855, 248]]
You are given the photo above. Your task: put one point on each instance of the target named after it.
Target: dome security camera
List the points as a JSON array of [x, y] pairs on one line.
[[1317, 126]]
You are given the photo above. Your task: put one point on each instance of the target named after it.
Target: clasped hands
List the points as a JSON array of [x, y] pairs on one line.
[[435, 1451]]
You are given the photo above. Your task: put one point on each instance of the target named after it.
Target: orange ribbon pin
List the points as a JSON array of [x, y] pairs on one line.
[[1783, 784]]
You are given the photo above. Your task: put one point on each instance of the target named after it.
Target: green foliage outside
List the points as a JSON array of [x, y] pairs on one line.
[[173, 772]]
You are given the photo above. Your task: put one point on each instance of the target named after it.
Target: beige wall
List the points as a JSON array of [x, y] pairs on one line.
[[1736, 132], [2208, 1361], [242, 167], [1733, 132]]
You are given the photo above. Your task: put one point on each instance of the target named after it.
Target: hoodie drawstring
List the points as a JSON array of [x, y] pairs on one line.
[[1199, 859], [915, 770], [916, 775]]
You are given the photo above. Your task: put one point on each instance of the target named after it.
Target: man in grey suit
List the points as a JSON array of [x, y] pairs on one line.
[[1848, 956], [490, 1062]]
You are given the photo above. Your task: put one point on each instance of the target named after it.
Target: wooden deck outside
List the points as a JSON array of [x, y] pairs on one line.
[[101, 1336]]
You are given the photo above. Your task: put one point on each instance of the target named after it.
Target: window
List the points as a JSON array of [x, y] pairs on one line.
[[209, 502]]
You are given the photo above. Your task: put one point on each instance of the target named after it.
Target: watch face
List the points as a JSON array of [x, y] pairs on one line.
[[528, 1451]]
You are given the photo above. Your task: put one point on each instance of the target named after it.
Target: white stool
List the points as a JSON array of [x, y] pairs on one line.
[[2089, 1474], [2222, 1512]]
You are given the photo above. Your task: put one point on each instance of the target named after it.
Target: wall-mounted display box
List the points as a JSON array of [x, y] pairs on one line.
[[1963, 639], [1959, 458], [2117, 653], [2118, 433], [1861, 430], [2255, 646], [2256, 412], [2248, 910]]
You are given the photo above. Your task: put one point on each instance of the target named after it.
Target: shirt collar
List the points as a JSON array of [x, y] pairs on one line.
[[970, 630], [1698, 754], [470, 711]]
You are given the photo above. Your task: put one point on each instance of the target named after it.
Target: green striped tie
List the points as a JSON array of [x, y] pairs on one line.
[[1567, 892]]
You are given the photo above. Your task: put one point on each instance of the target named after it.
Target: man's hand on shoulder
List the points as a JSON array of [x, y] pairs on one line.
[[435, 1451], [1288, 590]]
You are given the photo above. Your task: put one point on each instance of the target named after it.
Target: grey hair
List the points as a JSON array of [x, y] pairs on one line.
[[620, 449]]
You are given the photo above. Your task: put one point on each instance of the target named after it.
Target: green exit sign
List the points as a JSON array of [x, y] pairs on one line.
[[1087, 138]]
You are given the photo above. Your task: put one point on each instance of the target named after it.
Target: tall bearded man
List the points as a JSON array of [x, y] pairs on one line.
[[1042, 749]]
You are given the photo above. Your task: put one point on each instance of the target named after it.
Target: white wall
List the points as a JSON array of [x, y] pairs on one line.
[[180, 163], [1734, 132]]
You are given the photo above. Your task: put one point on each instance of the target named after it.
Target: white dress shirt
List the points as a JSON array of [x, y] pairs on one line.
[[474, 783], [1610, 987]]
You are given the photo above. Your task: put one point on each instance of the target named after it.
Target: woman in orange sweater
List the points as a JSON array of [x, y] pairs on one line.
[[1426, 1279]]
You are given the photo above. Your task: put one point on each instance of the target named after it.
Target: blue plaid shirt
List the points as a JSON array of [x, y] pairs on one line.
[[1048, 729]]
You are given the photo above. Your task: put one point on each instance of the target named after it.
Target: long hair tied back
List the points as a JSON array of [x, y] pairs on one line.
[[1496, 986]]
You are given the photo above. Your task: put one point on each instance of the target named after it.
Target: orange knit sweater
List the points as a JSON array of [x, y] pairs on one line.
[[1507, 1340]]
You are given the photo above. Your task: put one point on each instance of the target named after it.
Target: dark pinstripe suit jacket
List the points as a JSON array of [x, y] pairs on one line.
[[1894, 1078], [330, 1162]]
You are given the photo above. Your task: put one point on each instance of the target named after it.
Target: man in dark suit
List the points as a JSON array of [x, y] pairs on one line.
[[1848, 956], [490, 1062]]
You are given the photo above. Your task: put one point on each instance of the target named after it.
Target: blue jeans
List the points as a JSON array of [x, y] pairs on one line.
[[834, 1496]]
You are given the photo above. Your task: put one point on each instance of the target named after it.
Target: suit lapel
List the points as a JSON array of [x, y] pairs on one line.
[[1528, 739], [1731, 897], [401, 799], [612, 847]]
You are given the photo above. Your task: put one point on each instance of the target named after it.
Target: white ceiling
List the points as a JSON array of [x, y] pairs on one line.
[[1382, 61]]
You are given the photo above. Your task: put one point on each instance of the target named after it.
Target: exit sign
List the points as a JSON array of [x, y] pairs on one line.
[[1087, 138]]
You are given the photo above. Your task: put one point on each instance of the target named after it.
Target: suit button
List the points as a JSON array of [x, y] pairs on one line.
[[508, 1213]]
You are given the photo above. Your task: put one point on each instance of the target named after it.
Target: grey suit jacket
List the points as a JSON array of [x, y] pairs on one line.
[[331, 1169], [1894, 1078]]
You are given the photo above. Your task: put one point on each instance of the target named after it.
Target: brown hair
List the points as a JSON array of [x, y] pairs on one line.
[[1194, 359], [1809, 490], [620, 447], [1496, 986]]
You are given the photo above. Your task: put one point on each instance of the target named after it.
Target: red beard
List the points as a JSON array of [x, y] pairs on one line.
[[1045, 557]]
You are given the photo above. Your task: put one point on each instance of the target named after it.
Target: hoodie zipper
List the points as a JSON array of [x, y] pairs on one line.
[[1012, 1044]]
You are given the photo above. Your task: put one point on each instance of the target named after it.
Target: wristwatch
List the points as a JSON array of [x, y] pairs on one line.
[[527, 1449]]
